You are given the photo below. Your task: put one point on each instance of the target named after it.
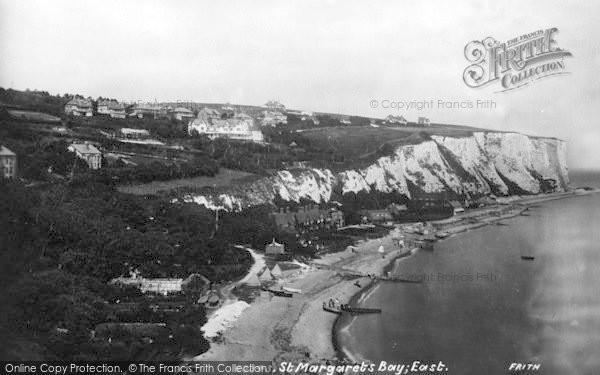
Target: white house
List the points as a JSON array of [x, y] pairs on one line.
[[111, 108], [87, 152], [8, 163], [79, 107], [423, 121], [457, 207], [182, 114], [274, 105], [235, 128], [131, 133], [274, 248], [273, 118], [162, 286], [141, 110], [209, 114], [400, 120]]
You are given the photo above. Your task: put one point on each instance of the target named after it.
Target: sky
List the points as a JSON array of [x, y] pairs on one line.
[[326, 56]]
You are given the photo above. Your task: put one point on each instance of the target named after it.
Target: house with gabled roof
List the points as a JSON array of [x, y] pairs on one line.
[[274, 248], [79, 107], [209, 114], [423, 121], [88, 153], [399, 120], [234, 128], [155, 110], [182, 114], [274, 105], [8, 163], [112, 108], [273, 118]]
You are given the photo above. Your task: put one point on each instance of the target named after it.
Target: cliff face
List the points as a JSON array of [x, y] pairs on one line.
[[481, 164]]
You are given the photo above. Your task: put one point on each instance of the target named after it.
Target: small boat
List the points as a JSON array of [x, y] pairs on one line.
[[527, 257], [291, 290], [278, 293], [442, 234], [360, 310], [333, 310], [281, 293]]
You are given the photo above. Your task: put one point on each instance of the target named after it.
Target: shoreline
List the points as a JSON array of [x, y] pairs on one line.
[[275, 328], [521, 206], [343, 322]]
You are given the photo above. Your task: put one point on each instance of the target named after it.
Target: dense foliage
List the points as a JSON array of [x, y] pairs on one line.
[[37, 100], [64, 242]]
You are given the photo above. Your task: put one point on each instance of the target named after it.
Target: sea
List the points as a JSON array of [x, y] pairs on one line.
[[480, 307]]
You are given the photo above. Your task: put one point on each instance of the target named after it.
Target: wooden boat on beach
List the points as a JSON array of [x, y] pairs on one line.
[[349, 309], [360, 310], [291, 290], [279, 293]]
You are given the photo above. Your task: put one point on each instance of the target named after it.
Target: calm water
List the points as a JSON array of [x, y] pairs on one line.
[[481, 307]]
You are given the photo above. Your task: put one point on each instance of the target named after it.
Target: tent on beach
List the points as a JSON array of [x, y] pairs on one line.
[[276, 271], [253, 281], [265, 275]]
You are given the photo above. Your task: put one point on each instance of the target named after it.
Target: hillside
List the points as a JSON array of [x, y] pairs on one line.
[[361, 145], [473, 165]]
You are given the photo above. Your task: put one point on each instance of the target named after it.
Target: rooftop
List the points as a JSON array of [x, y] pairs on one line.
[[134, 131], [183, 110], [80, 102], [4, 151], [84, 148]]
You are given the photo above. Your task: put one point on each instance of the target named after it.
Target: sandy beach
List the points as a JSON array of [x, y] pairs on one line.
[[278, 328]]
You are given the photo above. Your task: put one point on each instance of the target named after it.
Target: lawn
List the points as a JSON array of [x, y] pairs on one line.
[[225, 177], [32, 116], [363, 144]]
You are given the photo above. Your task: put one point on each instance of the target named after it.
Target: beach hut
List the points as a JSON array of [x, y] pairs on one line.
[[276, 271], [274, 248], [265, 275], [253, 281]]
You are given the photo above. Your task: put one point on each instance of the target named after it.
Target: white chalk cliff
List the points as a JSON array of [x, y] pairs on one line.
[[481, 164]]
